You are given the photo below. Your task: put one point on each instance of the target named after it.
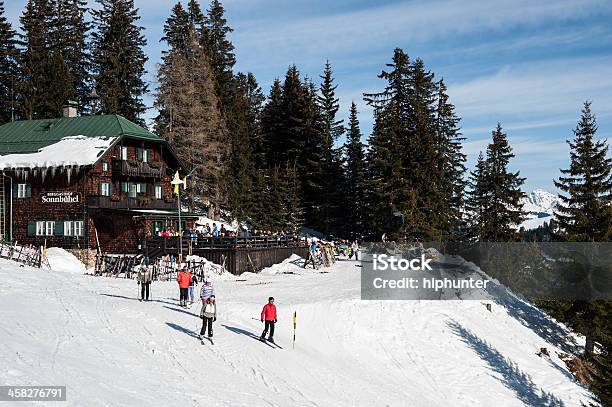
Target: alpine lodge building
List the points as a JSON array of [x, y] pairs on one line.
[[87, 182]]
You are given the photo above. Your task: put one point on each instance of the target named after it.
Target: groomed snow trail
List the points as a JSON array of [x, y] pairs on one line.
[[94, 336]]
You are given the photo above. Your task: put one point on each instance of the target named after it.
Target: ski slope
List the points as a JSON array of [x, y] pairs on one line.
[[92, 335]]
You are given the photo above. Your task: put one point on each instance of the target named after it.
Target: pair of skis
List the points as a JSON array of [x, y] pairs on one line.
[[202, 339], [270, 343]]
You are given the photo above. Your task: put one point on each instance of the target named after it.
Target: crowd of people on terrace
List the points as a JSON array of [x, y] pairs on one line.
[[215, 231]]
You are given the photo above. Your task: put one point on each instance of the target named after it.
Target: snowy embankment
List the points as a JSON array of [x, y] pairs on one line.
[[93, 335]]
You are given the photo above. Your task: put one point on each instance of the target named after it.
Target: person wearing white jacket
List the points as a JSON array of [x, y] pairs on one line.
[[208, 315]]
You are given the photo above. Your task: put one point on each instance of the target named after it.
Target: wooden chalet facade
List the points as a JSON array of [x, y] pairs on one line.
[[86, 182]]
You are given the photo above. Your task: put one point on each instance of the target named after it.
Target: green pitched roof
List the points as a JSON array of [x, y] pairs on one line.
[[28, 136]]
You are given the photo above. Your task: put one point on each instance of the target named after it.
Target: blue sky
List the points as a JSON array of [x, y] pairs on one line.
[[527, 64]]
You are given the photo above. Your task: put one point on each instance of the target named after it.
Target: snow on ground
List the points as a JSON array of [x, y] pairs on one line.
[[61, 260], [93, 335], [534, 222]]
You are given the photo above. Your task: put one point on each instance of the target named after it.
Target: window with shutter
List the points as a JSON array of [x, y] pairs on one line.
[[78, 228], [68, 228], [158, 192], [105, 189], [40, 228], [22, 190], [49, 227]]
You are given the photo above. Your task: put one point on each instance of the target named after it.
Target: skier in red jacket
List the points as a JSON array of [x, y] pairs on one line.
[[183, 278], [268, 315]]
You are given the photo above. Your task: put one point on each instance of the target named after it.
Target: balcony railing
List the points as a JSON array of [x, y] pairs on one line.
[[105, 202], [141, 169]]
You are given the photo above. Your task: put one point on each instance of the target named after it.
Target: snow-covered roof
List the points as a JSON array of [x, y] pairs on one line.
[[68, 151]]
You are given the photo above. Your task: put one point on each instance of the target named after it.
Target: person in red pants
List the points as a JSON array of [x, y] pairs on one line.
[[268, 315]]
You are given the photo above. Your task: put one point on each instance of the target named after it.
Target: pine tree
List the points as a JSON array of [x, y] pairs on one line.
[[426, 220], [391, 197], [294, 213], [269, 152], [331, 167], [478, 200], [584, 211], [451, 166], [495, 199], [191, 121], [177, 30], [585, 214], [354, 224], [243, 139], [8, 68], [119, 59], [220, 51], [40, 65], [69, 37]]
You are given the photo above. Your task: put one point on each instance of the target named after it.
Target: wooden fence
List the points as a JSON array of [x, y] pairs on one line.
[[28, 255], [236, 254]]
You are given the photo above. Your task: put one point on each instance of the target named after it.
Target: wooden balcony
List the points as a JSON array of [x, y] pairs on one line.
[[105, 202], [141, 169]]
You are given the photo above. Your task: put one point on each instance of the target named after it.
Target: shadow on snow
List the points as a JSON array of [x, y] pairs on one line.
[[512, 377]]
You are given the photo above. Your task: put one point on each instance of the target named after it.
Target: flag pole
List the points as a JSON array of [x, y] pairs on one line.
[[294, 326]]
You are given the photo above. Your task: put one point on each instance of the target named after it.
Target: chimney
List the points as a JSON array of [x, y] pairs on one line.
[[70, 109]]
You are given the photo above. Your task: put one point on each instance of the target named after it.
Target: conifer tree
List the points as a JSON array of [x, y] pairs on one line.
[[8, 68], [497, 212], [331, 167], [243, 139], [196, 17], [191, 121], [391, 197], [451, 166], [423, 170], [585, 214], [354, 203], [119, 59], [69, 37], [220, 51], [38, 87], [268, 152], [311, 158], [294, 212], [177, 30], [584, 211], [478, 201]]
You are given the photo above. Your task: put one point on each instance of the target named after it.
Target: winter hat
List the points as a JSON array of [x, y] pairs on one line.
[[271, 299]]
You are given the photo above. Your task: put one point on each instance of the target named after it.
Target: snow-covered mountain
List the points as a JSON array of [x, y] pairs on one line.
[[540, 201], [539, 205]]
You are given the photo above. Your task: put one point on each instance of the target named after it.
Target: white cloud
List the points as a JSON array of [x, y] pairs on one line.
[[548, 87]]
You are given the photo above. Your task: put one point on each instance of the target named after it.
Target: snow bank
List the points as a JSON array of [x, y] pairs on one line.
[[69, 151], [212, 270], [291, 265], [61, 260]]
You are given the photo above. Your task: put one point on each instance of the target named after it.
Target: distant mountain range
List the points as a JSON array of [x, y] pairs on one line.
[[539, 205]]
